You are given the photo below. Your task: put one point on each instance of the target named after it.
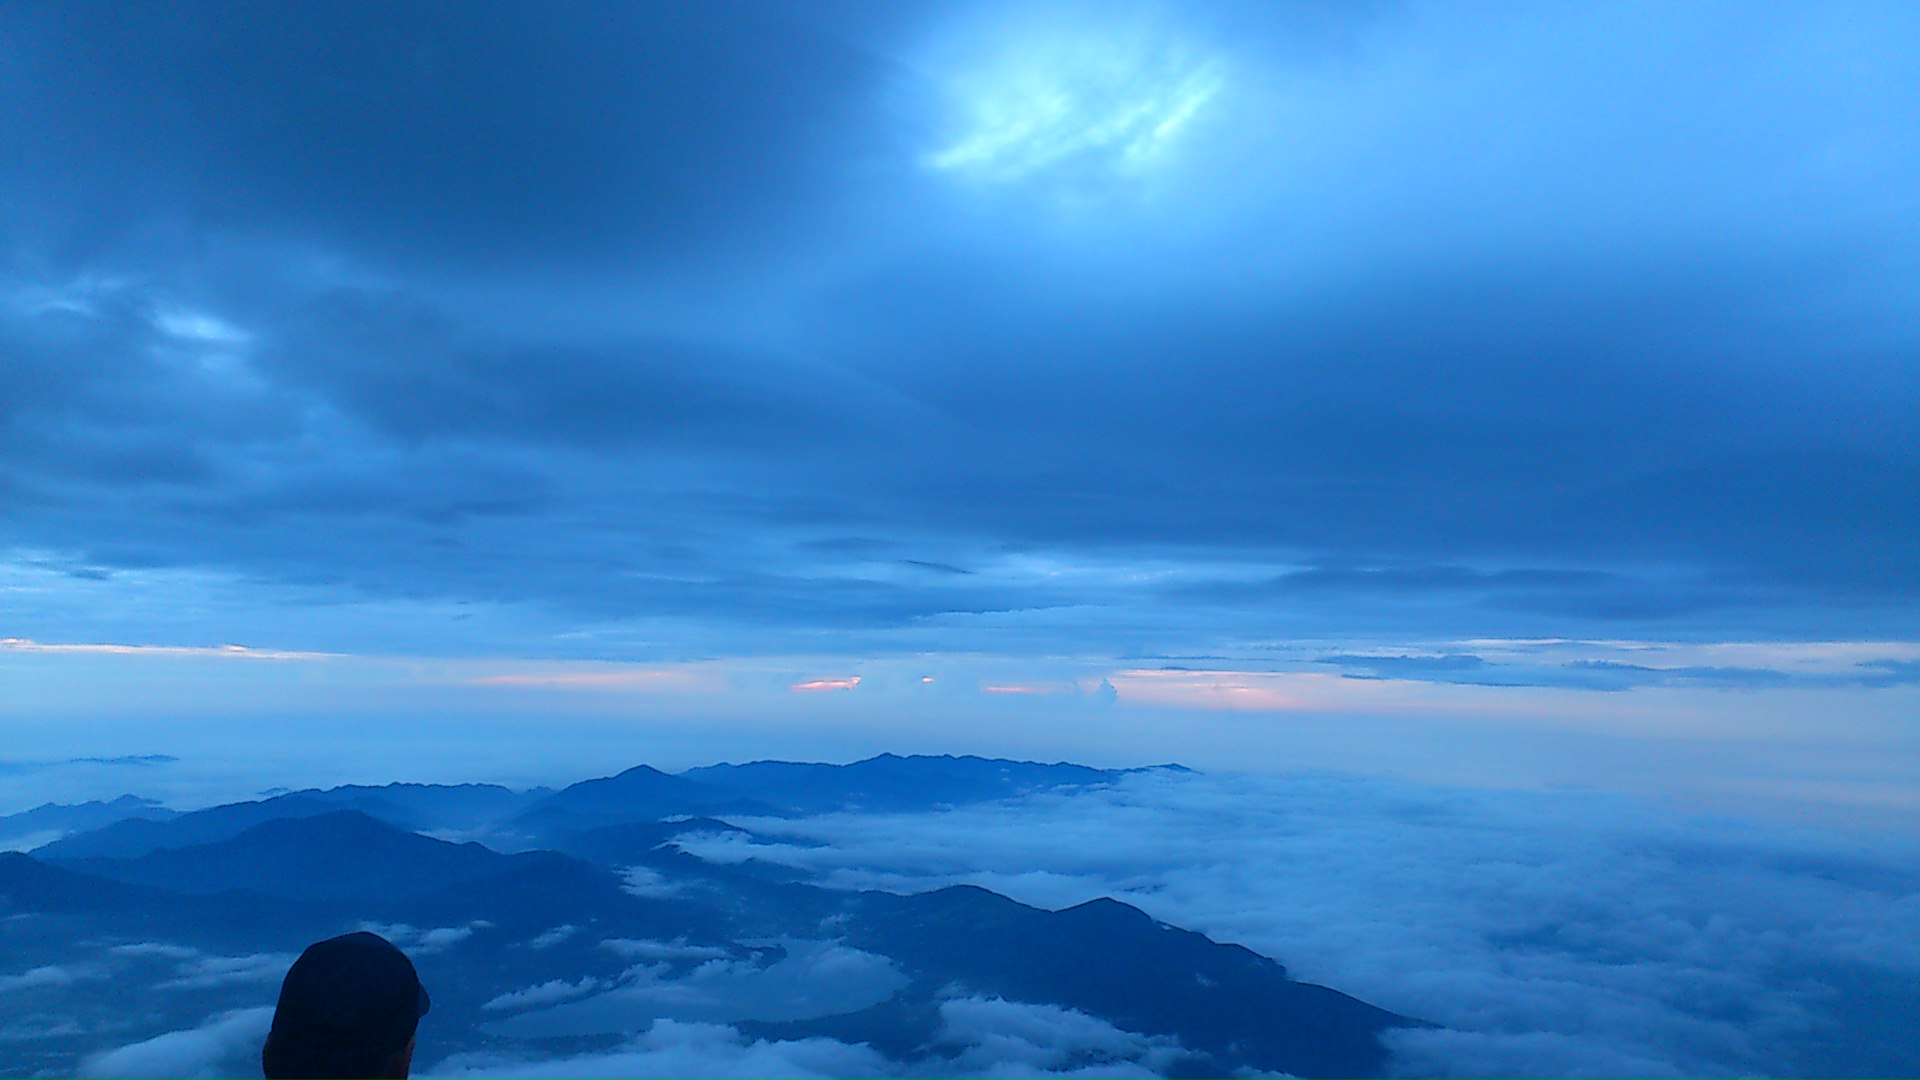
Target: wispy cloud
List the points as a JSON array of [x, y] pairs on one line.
[[194, 652]]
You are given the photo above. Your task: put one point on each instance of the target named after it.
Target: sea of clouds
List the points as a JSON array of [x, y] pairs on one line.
[[1548, 933]]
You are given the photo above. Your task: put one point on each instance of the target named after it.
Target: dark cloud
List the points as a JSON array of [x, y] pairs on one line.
[[620, 313], [1466, 669], [427, 135]]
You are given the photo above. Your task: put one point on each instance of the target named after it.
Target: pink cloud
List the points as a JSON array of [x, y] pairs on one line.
[[1248, 691], [815, 686]]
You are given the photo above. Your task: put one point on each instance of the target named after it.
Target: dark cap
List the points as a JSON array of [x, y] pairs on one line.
[[354, 987]]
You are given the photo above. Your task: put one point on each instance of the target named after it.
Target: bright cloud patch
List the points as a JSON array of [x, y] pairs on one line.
[[978, 1037], [1108, 102], [226, 1045]]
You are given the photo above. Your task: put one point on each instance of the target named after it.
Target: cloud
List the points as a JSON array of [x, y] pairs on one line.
[[1615, 666], [240, 652], [632, 680], [644, 949], [135, 760], [647, 882], [554, 936], [1538, 928], [977, 1037], [649, 177], [156, 948], [210, 971], [1090, 96], [814, 686], [422, 942], [800, 980], [546, 993], [46, 976], [227, 1044], [995, 1037], [718, 367], [35, 1028]]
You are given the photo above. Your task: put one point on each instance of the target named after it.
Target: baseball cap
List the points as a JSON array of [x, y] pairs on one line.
[[355, 987]]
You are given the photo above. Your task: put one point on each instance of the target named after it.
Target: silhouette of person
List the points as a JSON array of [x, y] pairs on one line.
[[348, 1008]]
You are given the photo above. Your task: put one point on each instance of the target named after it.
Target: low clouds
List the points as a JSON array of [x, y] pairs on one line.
[[424, 942], [1550, 934], [45, 976], [976, 1037], [803, 980], [204, 973], [547, 993], [227, 1044]]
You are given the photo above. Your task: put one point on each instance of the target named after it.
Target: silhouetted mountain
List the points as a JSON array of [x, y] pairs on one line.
[[133, 838], [891, 782], [338, 855], [1114, 961], [29, 885], [62, 819]]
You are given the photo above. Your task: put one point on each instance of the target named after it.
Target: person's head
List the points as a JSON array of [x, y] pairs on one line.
[[348, 1008]]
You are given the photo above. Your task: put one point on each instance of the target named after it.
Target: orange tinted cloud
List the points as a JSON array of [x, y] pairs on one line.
[[815, 686], [1250, 691]]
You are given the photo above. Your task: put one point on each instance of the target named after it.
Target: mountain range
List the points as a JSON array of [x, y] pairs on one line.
[[572, 918]]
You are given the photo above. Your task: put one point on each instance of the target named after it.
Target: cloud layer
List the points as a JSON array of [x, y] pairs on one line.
[[1551, 934], [1497, 324]]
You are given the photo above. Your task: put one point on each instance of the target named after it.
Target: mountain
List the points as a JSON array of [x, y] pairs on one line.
[[1114, 961], [51, 821], [28, 885], [338, 855], [890, 782], [637, 842], [136, 837], [640, 794], [553, 951]]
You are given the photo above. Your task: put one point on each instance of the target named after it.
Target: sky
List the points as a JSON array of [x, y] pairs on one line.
[[1517, 395]]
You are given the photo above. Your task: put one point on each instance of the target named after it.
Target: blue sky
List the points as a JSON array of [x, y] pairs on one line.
[[1487, 392]]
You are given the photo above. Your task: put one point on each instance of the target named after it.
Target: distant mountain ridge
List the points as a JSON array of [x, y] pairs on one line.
[[340, 854], [129, 827], [52, 821], [133, 837], [890, 782]]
